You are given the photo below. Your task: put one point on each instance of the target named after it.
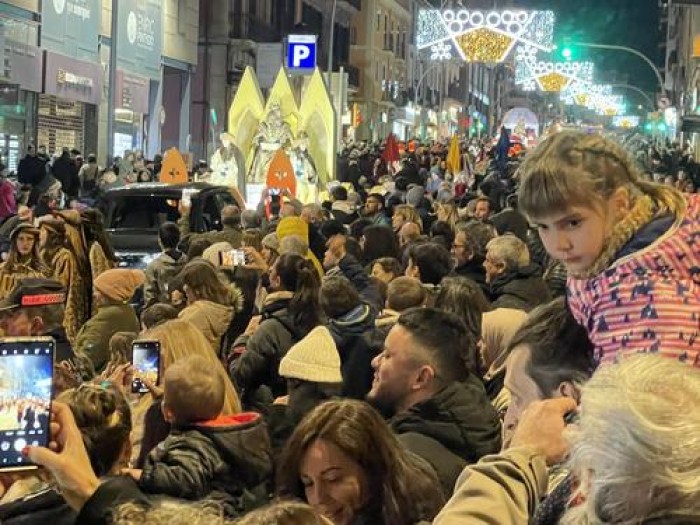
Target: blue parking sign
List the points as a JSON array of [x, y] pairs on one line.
[[301, 52]]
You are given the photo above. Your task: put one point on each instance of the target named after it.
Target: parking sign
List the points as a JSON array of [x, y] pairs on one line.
[[301, 53]]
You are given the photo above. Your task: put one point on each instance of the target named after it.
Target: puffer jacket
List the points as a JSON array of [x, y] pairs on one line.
[[351, 334], [227, 459], [212, 319], [159, 273], [258, 363], [523, 289], [457, 426]]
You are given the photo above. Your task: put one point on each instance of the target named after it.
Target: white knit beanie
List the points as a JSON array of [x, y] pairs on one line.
[[315, 359]]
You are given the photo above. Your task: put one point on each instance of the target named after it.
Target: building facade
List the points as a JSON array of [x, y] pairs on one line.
[[235, 34]]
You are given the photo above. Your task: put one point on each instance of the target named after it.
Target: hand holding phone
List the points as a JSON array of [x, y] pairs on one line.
[[232, 258], [26, 382], [146, 365]]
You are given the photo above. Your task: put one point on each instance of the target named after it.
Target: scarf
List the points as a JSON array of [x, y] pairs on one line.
[[641, 213]]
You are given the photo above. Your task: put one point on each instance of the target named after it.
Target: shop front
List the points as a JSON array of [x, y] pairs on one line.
[[20, 84], [67, 112], [132, 94]]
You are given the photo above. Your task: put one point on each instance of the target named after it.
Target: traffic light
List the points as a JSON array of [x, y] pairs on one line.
[[649, 127], [661, 127], [567, 52]]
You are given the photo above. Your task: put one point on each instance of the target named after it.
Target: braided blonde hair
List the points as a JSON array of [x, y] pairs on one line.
[[573, 168]]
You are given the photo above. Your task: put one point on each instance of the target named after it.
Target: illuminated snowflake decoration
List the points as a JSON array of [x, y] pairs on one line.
[[484, 36], [582, 93], [625, 121], [441, 51], [531, 74]]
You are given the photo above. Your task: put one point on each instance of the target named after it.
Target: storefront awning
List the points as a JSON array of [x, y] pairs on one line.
[[691, 124]]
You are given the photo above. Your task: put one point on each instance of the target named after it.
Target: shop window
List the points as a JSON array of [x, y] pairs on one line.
[[61, 124]]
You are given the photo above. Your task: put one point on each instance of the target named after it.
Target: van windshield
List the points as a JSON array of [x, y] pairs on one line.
[[143, 212]]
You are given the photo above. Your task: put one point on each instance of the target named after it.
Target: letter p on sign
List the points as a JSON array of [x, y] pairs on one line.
[[301, 52]]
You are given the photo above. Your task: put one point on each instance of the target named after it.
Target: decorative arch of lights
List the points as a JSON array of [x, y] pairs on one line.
[[532, 74], [476, 35], [584, 93]]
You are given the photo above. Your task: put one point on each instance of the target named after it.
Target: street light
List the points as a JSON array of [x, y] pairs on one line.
[[628, 50], [329, 68]]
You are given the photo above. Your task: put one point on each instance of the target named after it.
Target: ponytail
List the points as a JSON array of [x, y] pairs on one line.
[[304, 306]]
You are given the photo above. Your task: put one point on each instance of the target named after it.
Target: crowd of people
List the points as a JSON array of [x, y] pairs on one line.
[[506, 341]]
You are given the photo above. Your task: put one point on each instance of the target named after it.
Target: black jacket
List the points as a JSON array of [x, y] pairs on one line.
[[31, 170], [227, 459], [65, 171], [351, 334], [47, 506], [523, 289], [457, 426], [258, 365]]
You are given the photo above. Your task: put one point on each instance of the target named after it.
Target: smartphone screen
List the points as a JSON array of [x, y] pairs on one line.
[[26, 380], [232, 258], [146, 362]]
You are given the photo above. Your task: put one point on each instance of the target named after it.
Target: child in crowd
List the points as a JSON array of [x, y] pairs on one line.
[[207, 455], [631, 247]]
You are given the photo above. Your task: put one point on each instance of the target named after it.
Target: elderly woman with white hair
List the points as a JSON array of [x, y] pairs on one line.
[[633, 453]]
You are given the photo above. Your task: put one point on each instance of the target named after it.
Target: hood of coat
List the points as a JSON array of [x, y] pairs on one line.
[[217, 316], [243, 442], [353, 324], [460, 417]]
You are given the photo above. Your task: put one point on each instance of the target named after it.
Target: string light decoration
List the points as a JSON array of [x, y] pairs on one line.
[[531, 74], [625, 121], [580, 93], [483, 36]]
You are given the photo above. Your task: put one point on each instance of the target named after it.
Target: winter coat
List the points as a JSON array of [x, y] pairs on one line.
[[506, 488], [258, 364], [648, 299], [47, 506], [455, 427], [228, 459], [8, 280], [522, 289], [344, 212], [212, 319], [31, 170], [8, 205], [159, 273], [350, 333], [93, 338], [66, 172]]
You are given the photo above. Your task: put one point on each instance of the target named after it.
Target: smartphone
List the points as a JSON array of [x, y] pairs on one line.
[[232, 258], [26, 382], [274, 191], [187, 194], [146, 362]]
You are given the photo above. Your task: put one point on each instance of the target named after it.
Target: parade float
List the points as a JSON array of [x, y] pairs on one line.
[[286, 142]]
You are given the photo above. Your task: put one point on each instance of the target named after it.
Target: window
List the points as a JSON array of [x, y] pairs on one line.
[[142, 212]]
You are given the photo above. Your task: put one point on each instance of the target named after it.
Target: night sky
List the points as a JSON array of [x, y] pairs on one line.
[[632, 23]]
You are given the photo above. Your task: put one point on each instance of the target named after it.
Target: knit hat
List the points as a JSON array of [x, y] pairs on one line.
[[315, 358], [119, 284], [293, 226], [271, 242], [414, 195], [212, 254]]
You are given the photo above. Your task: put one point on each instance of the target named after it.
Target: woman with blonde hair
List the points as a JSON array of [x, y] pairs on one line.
[[447, 212], [178, 339], [404, 213], [630, 246]]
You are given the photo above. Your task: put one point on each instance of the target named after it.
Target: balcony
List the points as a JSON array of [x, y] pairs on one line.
[[248, 27]]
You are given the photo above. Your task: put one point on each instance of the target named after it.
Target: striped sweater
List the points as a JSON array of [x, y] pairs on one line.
[[648, 300]]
